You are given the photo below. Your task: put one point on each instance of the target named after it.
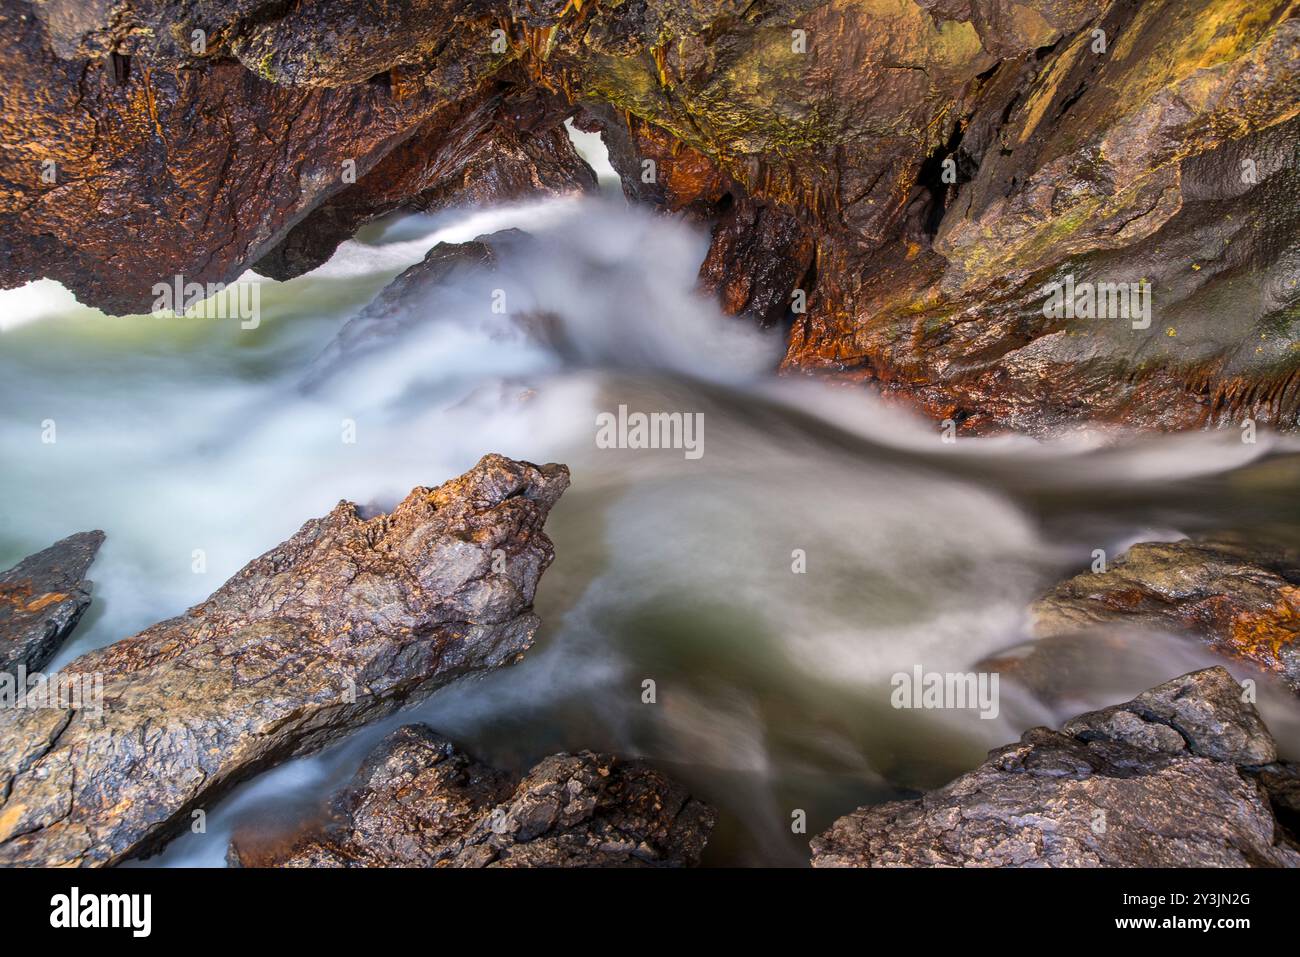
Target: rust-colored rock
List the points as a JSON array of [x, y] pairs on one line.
[[1243, 599], [923, 171], [119, 177], [1168, 160], [759, 257], [1162, 150], [759, 252], [418, 801], [338, 625], [41, 600]]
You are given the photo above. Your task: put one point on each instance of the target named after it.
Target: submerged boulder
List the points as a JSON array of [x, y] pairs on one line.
[[41, 600], [419, 801], [1184, 775], [440, 282], [340, 624]]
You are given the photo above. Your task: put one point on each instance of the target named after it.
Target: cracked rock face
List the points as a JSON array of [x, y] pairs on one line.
[[1184, 775], [336, 626], [41, 600], [1243, 599], [1113, 143], [418, 801], [1167, 160]]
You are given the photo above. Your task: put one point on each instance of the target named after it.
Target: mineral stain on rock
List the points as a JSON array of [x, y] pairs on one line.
[[41, 600], [1241, 598], [897, 182]]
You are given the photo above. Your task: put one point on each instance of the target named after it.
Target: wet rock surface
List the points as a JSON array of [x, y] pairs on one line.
[[419, 801], [500, 147], [1242, 598], [338, 625], [431, 285], [1094, 166], [41, 600], [1184, 775], [122, 177], [922, 171]]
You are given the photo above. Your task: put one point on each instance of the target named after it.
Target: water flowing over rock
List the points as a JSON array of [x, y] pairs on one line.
[[1244, 599], [418, 801], [41, 600], [340, 624], [430, 283], [1184, 775], [901, 181]]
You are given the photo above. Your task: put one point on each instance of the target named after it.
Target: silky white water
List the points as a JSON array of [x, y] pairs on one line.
[[197, 445]]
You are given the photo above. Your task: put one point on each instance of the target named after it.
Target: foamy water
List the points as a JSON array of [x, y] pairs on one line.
[[185, 437]]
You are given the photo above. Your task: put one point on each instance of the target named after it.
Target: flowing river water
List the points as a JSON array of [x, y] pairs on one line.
[[179, 436]]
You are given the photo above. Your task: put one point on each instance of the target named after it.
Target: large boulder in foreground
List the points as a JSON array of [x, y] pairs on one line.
[[1184, 775], [418, 801], [41, 600], [338, 625], [1242, 598]]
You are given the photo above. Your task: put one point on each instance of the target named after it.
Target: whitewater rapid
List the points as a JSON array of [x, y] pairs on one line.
[[184, 438]]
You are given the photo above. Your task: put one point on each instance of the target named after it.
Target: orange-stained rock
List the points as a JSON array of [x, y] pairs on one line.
[[41, 600], [1244, 599], [116, 182], [923, 172]]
